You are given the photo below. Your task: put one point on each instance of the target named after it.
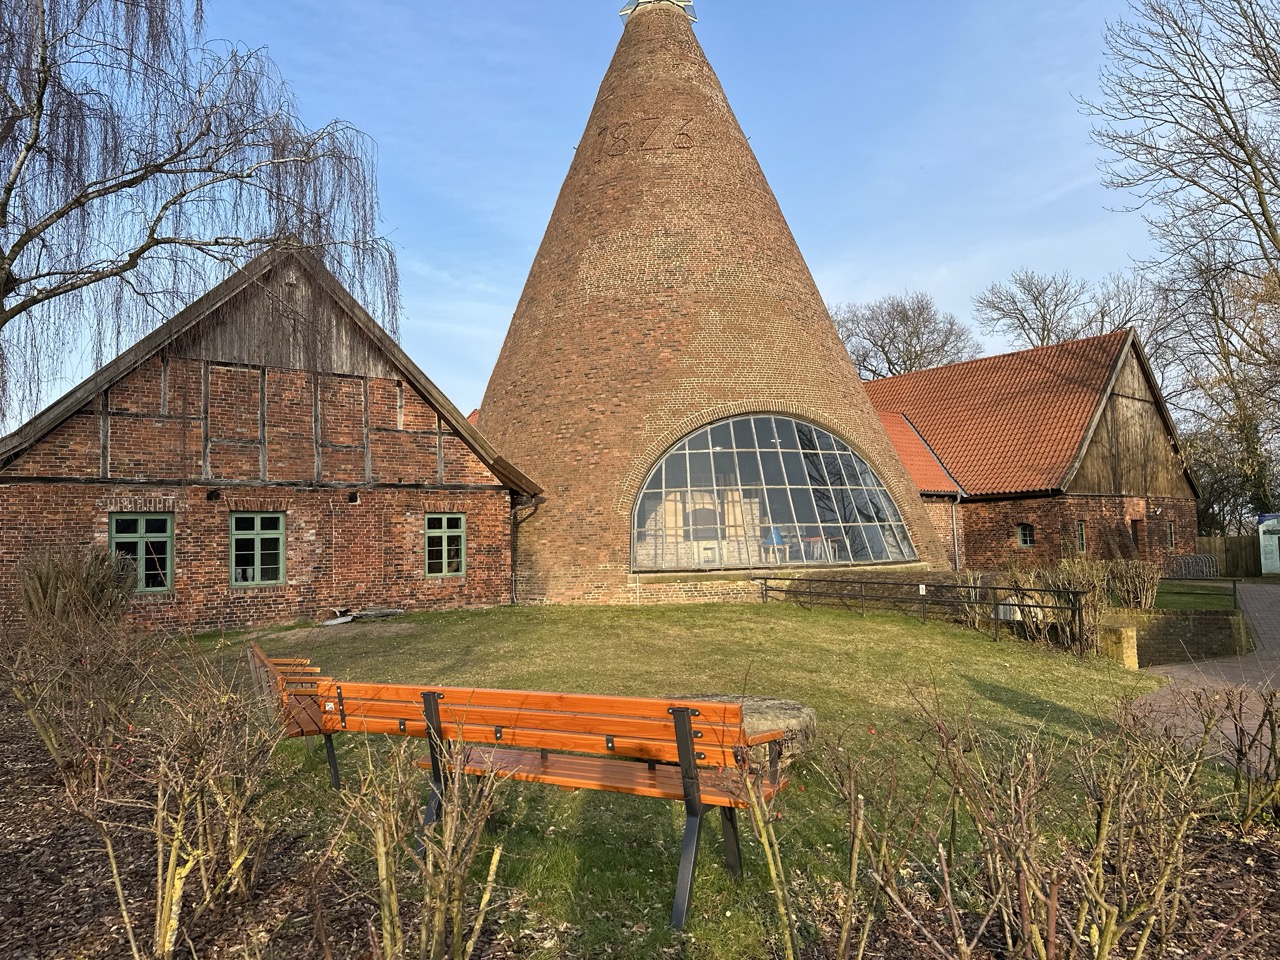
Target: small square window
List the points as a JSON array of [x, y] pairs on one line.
[[1026, 535], [1081, 542], [1173, 536], [446, 544]]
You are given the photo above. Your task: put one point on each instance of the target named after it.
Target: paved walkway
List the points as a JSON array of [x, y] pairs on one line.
[[1261, 605]]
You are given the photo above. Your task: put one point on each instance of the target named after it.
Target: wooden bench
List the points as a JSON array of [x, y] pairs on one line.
[[688, 750]]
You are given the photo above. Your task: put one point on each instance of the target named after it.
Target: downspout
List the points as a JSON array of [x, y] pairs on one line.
[[516, 506], [955, 535]]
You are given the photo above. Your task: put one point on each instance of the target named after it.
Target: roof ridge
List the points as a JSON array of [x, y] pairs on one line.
[[1077, 343]]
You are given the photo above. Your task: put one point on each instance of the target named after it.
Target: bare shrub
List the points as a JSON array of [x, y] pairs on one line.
[[1090, 578], [428, 906], [887, 821], [988, 865], [1134, 583], [78, 671], [199, 763], [1246, 726]]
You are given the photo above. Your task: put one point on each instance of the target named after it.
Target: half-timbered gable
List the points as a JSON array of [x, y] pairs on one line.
[[268, 454]]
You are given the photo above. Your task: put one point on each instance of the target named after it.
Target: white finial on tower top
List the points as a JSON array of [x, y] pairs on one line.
[[685, 5]]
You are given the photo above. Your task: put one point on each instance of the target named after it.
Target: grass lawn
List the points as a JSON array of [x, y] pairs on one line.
[[1194, 595], [604, 864]]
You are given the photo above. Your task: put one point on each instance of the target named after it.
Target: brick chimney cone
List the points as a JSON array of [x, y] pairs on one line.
[[668, 293]]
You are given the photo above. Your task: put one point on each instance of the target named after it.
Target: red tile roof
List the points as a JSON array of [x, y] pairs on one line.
[[1008, 424], [927, 472]]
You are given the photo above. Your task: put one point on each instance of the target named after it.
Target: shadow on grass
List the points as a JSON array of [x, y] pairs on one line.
[[1027, 704]]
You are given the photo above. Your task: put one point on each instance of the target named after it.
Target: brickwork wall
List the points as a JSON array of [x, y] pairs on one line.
[[668, 293], [941, 512], [1183, 636], [991, 529], [338, 554], [354, 495]]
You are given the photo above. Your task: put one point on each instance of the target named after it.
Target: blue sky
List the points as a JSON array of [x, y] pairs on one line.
[[918, 144]]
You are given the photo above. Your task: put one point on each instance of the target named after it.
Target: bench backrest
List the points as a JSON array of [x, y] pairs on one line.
[[639, 727], [289, 685]]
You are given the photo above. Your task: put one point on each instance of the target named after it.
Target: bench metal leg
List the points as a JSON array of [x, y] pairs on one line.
[[332, 757], [688, 862], [732, 848]]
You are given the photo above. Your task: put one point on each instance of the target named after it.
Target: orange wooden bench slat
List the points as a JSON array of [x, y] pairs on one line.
[[623, 747], [651, 707], [603, 773], [587, 723]]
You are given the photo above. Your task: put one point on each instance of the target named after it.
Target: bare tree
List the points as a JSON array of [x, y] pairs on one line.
[[1034, 309], [1188, 114], [139, 165], [900, 334], [1040, 309]]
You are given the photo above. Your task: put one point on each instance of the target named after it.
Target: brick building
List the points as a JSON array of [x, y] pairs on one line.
[[267, 454], [1032, 456], [671, 374]]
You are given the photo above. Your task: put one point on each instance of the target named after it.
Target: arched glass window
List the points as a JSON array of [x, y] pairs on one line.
[[762, 491]]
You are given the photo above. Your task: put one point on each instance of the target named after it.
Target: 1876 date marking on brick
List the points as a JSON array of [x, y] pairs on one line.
[[647, 135]]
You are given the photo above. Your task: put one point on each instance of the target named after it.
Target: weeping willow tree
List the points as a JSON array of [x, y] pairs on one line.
[[140, 164]]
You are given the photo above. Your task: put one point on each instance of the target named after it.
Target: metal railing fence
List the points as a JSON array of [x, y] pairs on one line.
[[973, 604]]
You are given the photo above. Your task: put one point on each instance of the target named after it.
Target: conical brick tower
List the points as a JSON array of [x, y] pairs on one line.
[[668, 294]]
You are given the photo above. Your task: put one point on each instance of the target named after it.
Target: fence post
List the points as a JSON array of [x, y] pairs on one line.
[[995, 612], [1079, 605], [862, 593], [1235, 594]]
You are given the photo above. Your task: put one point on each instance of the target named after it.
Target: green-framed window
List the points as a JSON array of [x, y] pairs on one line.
[[1082, 542], [147, 540], [1026, 535], [446, 544], [257, 549]]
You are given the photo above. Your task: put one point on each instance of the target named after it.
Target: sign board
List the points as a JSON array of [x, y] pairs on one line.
[[1269, 536]]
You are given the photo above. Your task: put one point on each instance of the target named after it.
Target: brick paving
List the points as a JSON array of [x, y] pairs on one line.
[[1261, 605]]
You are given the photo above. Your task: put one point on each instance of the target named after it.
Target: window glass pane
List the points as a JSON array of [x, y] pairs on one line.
[[826, 505], [850, 470], [771, 461], [773, 490], [126, 525], [721, 437], [766, 435], [435, 523], [875, 540], [128, 548], [748, 467], [780, 510], [891, 543], [242, 523], [794, 464], [802, 501], [787, 438], [726, 467], [677, 468], [700, 470], [857, 544], [269, 523], [813, 469], [453, 523]]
